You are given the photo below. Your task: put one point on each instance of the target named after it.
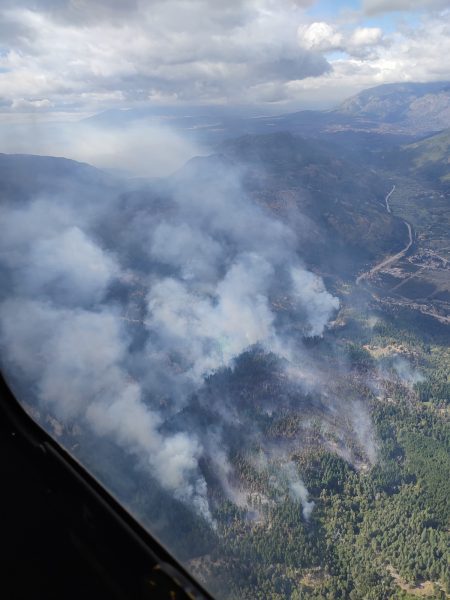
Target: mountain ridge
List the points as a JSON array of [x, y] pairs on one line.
[[411, 108]]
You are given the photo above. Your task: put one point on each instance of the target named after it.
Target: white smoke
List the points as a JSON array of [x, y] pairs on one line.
[[407, 374], [298, 489], [149, 148], [194, 252], [210, 330], [319, 304], [209, 267], [75, 357], [362, 427]]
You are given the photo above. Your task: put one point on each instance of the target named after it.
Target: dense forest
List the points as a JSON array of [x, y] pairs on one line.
[[375, 532]]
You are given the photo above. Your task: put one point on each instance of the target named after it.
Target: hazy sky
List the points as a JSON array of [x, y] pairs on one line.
[[62, 58]]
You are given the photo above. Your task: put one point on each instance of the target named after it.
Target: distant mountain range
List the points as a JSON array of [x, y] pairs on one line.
[[399, 109], [415, 107]]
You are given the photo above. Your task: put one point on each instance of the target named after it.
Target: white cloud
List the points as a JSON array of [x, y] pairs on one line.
[[320, 36], [412, 53], [373, 7], [323, 37], [26, 105], [62, 56], [366, 36], [82, 53]]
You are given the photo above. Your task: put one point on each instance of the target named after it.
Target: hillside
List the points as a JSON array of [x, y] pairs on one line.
[[343, 200], [430, 157], [417, 107], [23, 174]]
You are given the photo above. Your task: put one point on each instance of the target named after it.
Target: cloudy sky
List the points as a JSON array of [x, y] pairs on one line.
[[72, 58]]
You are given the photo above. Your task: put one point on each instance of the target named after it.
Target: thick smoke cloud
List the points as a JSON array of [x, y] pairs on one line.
[[118, 311], [63, 339], [75, 357]]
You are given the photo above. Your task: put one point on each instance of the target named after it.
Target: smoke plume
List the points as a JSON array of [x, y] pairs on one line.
[[122, 302]]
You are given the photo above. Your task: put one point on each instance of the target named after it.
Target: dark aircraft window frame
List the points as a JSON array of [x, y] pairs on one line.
[[141, 567]]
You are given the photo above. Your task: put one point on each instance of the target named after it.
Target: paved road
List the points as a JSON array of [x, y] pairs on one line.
[[388, 206], [390, 259]]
